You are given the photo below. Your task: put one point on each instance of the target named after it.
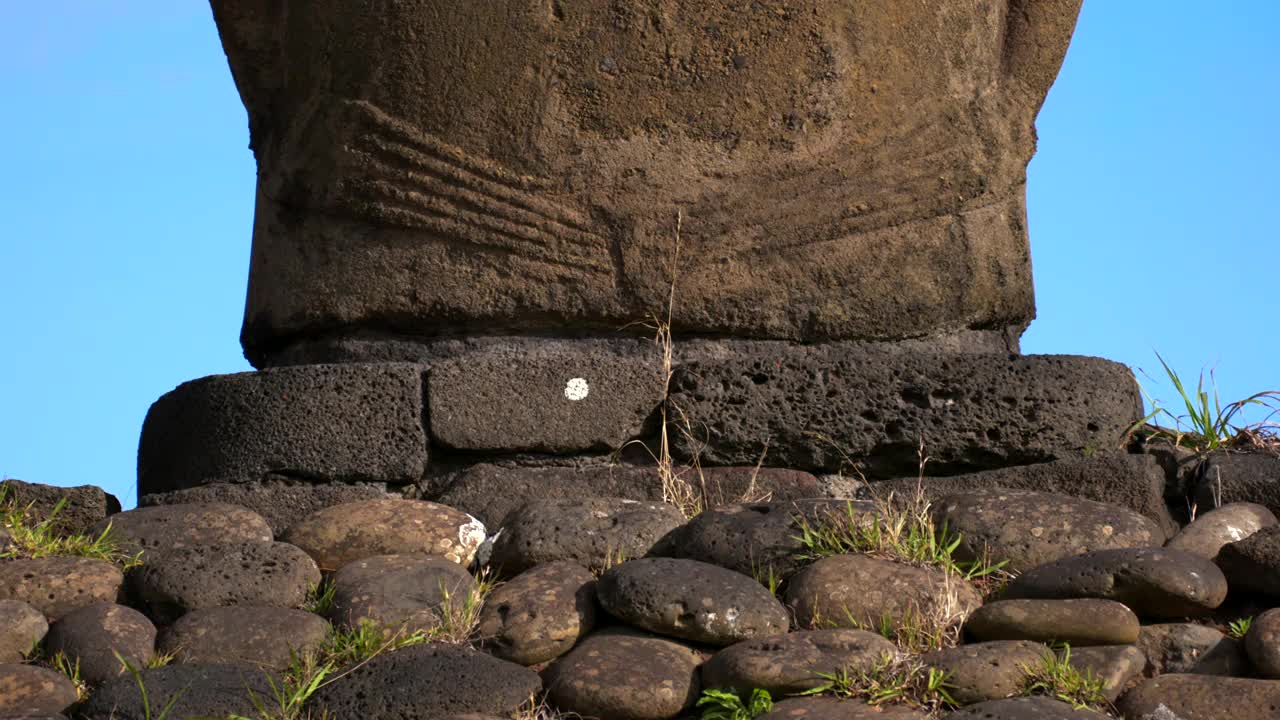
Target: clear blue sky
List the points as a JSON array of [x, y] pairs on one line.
[[127, 194]]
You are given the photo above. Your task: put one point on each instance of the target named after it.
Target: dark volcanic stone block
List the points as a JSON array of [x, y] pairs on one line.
[[558, 396], [156, 530], [258, 637], [336, 423], [1227, 477], [197, 691], [280, 502], [814, 408], [85, 505]]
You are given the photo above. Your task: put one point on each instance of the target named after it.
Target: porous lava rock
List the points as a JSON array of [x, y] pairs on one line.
[[24, 627], [57, 585], [397, 591], [196, 691], [623, 674], [156, 530], [94, 636], [829, 708], [1028, 528], [1253, 564], [593, 532], [1153, 582], [27, 690], [1077, 622], [1190, 648], [1263, 643], [1025, 708], [1230, 523], [425, 682], [280, 502], [790, 664], [1117, 666], [539, 614], [1203, 697], [345, 533], [1227, 477], [256, 637], [82, 507], [987, 670], [691, 600]]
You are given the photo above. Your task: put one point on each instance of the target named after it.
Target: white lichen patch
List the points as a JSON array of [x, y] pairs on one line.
[[576, 389], [471, 536]]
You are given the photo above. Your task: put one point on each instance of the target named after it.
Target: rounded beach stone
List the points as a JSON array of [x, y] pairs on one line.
[[1203, 697], [1115, 665], [425, 682], [1029, 528], [1253, 564], [1025, 708], [396, 591], [31, 690], [82, 506], [23, 628], [848, 590], [1076, 622], [754, 538], [540, 614], [829, 708], [155, 530], [260, 637], [691, 600], [789, 664], [94, 635], [1230, 523], [1189, 648], [275, 574], [1153, 582], [594, 532], [196, 691], [621, 674], [280, 502], [987, 670], [1263, 643], [57, 585], [348, 532]]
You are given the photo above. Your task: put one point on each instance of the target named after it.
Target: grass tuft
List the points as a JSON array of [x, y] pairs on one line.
[[728, 705], [1055, 677], [1239, 628], [31, 538], [902, 679]]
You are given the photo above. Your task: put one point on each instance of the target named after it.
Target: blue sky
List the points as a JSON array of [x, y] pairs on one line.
[[128, 193]]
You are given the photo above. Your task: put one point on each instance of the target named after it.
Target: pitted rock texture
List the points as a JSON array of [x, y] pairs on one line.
[[425, 682], [280, 502], [1253, 563], [1029, 529], [178, 581], [396, 591], [758, 538], [974, 411], [593, 532], [1204, 697], [332, 423], [691, 600], [1025, 708], [23, 627], [1117, 666], [789, 664], [1263, 643], [987, 670], [1077, 622], [851, 590], [345, 533], [82, 506], [57, 585], [1230, 523], [560, 397], [27, 690], [197, 691], [752, 483], [622, 674], [829, 708], [93, 636], [156, 530], [1154, 583], [254, 637], [538, 615], [1229, 477], [1190, 648]]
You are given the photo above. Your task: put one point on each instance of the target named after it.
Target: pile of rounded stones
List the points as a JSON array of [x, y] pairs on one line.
[[623, 609]]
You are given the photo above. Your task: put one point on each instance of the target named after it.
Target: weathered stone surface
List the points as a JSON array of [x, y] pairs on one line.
[[873, 407], [1203, 697], [156, 530], [398, 590], [987, 670], [788, 664], [1117, 666], [1190, 648], [426, 682], [1229, 477], [1077, 622], [539, 614], [1230, 523], [1153, 582], [829, 708], [93, 636], [594, 532], [280, 502], [23, 627], [1029, 528], [336, 423], [1136, 482], [1024, 708], [754, 538], [345, 533], [57, 585], [562, 396], [1263, 643], [691, 600], [491, 492], [84, 505], [29, 690], [1253, 564], [6, 540], [852, 589], [750, 483], [178, 581], [197, 691], [625, 675], [257, 637]]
